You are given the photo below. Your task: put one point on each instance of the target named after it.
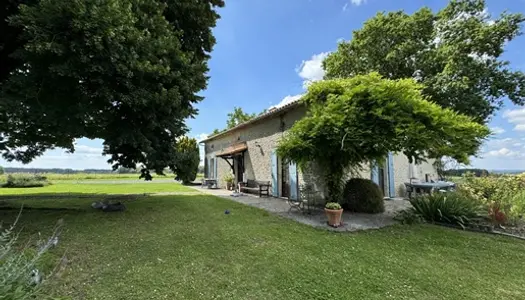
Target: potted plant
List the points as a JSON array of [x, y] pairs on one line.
[[229, 181], [334, 212]]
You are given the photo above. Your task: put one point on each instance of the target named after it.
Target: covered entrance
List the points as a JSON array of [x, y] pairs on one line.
[[234, 156]]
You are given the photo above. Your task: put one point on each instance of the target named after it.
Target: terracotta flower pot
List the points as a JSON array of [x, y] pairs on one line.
[[334, 216]]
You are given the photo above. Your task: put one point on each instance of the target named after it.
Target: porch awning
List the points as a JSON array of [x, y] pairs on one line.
[[233, 149]]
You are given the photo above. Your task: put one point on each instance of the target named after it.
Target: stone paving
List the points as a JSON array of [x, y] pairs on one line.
[[317, 218]]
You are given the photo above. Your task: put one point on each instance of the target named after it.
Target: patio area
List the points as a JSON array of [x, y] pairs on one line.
[[316, 218]]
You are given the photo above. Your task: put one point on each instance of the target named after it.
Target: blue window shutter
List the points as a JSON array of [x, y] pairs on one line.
[[374, 173], [293, 181], [391, 182], [216, 171], [275, 186], [206, 167]]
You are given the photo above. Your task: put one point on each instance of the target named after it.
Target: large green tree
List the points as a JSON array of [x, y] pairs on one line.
[[455, 53], [236, 117], [354, 122], [125, 71]]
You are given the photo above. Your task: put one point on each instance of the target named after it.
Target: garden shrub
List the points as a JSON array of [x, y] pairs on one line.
[[408, 216], [25, 181], [504, 196], [363, 195], [23, 269], [451, 208], [517, 209]]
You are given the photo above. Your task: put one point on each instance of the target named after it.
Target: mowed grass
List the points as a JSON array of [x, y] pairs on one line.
[[140, 187], [186, 247]]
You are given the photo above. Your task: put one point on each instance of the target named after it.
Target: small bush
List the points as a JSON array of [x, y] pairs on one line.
[[451, 208], [228, 178], [517, 209], [333, 206], [408, 216], [25, 181], [23, 270], [363, 195]]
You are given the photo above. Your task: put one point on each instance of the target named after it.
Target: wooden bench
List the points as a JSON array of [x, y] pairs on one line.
[[256, 187]]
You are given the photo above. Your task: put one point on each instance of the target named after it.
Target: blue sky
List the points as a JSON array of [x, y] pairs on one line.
[[267, 49]]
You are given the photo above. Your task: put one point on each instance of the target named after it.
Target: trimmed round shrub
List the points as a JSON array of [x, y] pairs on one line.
[[364, 196]]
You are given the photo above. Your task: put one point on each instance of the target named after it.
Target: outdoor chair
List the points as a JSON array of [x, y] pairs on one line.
[[305, 201]]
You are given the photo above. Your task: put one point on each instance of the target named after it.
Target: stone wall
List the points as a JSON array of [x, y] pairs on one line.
[[262, 137], [404, 170]]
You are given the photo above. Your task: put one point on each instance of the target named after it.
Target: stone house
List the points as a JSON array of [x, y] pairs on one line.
[[247, 151]]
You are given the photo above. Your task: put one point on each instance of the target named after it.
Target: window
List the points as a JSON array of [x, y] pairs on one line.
[[212, 168]]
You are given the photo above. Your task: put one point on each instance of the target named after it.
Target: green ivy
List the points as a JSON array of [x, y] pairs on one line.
[[352, 122]]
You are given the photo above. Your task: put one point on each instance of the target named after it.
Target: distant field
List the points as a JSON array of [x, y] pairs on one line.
[[89, 176], [80, 176]]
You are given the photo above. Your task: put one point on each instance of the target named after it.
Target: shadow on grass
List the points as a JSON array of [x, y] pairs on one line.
[[50, 196], [70, 202]]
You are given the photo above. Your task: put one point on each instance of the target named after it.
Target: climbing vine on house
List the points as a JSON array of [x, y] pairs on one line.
[[352, 122]]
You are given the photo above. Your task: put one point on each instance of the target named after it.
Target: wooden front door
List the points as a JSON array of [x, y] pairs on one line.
[[285, 180], [240, 167]]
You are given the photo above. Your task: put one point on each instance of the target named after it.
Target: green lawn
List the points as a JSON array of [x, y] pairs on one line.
[[185, 247], [100, 188]]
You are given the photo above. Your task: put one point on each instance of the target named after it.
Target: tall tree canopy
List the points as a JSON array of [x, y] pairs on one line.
[[125, 71], [351, 122], [455, 53], [236, 117]]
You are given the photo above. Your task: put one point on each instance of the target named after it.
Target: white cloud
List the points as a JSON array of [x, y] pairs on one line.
[[492, 144], [358, 2], [87, 150], [500, 152], [61, 159], [312, 70], [497, 130], [505, 153], [201, 136], [516, 117], [519, 127], [287, 100]]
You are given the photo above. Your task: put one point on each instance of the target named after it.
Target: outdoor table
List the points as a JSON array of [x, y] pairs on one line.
[[429, 187], [209, 182]]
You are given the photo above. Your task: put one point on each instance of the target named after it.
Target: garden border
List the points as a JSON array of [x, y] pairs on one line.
[[478, 230]]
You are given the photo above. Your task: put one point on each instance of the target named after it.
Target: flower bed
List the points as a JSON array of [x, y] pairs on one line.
[[494, 204]]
